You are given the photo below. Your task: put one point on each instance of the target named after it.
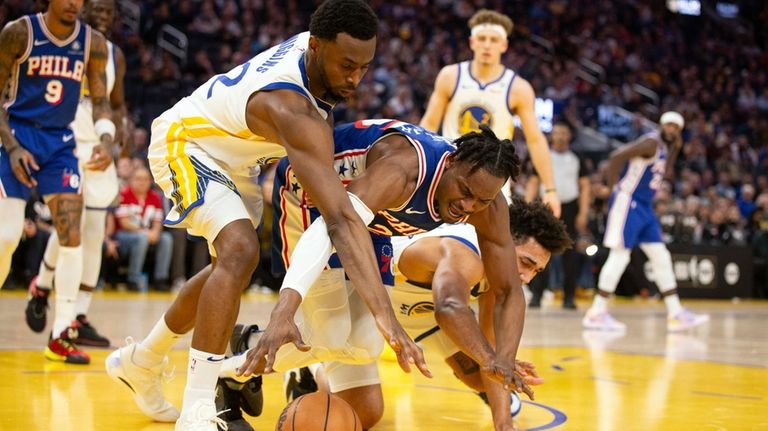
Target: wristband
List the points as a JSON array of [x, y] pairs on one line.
[[550, 191], [105, 126]]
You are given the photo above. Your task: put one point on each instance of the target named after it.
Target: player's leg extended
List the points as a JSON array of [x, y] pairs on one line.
[[66, 212], [678, 318]]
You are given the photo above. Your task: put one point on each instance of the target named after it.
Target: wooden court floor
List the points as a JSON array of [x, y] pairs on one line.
[[714, 378]]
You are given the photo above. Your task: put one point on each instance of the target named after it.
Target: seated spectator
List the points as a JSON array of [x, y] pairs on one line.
[[139, 230]]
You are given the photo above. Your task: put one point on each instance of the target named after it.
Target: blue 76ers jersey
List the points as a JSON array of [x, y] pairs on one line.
[[46, 83], [294, 211], [642, 177]]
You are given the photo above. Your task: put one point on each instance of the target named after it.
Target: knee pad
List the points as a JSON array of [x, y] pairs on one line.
[[661, 264]]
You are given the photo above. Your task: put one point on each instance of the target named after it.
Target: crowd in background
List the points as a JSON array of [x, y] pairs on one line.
[[581, 54]]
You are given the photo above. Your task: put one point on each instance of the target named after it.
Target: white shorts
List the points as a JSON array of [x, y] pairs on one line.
[[335, 322], [415, 310], [100, 188], [205, 196]]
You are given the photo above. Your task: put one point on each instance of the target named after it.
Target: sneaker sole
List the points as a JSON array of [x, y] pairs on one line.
[[91, 343], [53, 356]]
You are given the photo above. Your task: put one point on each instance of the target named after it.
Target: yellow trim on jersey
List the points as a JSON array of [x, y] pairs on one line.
[[201, 127], [183, 174]]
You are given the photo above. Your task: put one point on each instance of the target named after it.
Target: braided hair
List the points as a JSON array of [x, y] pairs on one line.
[[483, 150]]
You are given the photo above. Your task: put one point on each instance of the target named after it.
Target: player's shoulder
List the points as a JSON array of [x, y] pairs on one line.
[[521, 92], [15, 32]]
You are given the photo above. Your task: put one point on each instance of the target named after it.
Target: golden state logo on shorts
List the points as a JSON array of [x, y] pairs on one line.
[[419, 308], [472, 117]]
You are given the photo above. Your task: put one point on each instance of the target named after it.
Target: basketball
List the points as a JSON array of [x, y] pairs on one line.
[[318, 411]]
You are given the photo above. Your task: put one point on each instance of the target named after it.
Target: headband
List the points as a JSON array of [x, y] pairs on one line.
[[486, 26]]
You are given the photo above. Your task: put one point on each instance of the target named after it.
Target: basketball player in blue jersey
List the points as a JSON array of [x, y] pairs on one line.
[[484, 91], [632, 222], [45, 58], [99, 189], [206, 153], [409, 181]]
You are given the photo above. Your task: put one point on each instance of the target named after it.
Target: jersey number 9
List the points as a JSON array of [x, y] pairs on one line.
[[54, 92]]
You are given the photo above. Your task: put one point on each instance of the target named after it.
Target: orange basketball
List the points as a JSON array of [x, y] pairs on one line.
[[318, 411]]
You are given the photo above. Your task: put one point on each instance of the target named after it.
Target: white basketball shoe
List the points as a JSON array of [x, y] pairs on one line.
[[201, 416], [145, 383], [685, 319], [602, 321]]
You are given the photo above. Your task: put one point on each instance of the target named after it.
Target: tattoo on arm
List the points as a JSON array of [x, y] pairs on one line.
[[97, 78], [13, 43]]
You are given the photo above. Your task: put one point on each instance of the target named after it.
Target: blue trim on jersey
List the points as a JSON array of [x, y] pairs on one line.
[[464, 241], [482, 87], [285, 86], [509, 91], [325, 106]]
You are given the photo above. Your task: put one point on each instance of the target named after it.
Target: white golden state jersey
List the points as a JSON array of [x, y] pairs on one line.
[[214, 115], [472, 104], [83, 126]]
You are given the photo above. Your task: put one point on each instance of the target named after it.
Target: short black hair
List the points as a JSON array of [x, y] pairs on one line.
[[484, 150], [536, 220], [353, 17], [565, 123]]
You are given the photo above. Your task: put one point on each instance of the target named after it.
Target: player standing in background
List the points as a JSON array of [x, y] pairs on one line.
[[206, 154], [632, 222], [46, 57], [100, 189], [484, 91]]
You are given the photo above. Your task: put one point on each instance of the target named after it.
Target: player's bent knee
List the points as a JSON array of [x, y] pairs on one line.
[[368, 403]]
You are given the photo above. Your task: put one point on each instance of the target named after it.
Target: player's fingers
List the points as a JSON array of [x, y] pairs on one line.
[[270, 361], [32, 163], [403, 359], [301, 345], [253, 357], [421, 364]]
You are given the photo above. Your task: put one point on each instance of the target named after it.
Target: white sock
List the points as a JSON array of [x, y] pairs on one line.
[[673, 304], [48, 264], [202, 374], [230, 366], [69, 267], [156, 345], [599, 304], [83, 302]]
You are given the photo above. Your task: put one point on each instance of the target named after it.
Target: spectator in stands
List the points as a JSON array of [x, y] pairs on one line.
[[139, 230]]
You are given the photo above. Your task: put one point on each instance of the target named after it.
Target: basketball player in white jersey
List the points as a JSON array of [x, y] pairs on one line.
[[100, 189], [636, 171], [484, 91], [206, 154]]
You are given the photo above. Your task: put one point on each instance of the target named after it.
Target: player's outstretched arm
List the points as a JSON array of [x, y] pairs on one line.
[[309, 143], [440, 97], [13, 43], [499, 260], [102, 113], [537, 144]]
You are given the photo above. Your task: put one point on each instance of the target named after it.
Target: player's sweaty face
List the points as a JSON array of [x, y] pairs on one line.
[[461, 194], [343, 63]]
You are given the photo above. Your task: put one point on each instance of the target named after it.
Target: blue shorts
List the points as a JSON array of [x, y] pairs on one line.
[[54, 152], [630, 222]]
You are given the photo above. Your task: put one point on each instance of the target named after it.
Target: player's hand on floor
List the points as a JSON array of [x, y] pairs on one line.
[[22, 164], [503, 372], [260, 359], [406, 349], [528, 371], [100, 159]]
